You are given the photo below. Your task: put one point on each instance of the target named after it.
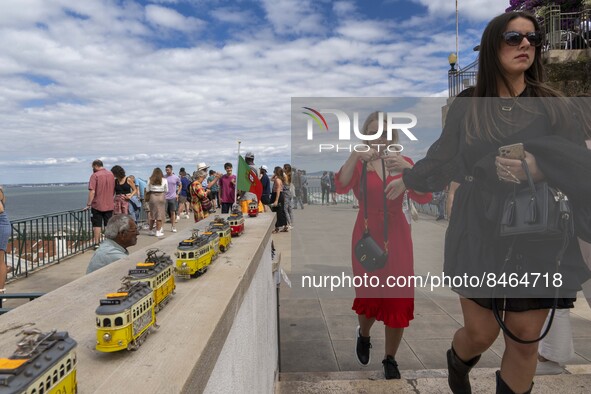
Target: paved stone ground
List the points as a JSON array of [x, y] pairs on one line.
[[318, 326]]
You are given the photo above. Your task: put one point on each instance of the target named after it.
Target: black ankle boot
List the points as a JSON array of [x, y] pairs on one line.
[[457, 372], [503, 388]]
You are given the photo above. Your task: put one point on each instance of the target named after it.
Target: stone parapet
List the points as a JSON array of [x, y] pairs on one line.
[[215, 333]]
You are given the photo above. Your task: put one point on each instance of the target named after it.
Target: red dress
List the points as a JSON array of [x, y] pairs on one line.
[[392, 305]]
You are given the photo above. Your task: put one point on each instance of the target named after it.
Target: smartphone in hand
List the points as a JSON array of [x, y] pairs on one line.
[[514, 151]]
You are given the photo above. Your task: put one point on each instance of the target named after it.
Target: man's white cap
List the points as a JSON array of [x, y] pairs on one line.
[[264, 167], [202, 166]]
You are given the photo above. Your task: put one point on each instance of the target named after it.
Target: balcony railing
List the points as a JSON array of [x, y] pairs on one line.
[[47, 239], [462, 79], [42, 240], [566, 30]]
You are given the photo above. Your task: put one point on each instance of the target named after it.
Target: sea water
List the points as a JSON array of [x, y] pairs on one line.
[[29, 201]]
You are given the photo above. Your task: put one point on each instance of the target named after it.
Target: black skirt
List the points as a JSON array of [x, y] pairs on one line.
[[281, 217]]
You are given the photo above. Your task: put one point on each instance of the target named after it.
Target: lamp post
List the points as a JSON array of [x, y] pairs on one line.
[[457, 34], [452, 59], [452, 73]]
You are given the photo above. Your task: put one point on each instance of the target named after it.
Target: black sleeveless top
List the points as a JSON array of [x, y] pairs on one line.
[[124, 188]]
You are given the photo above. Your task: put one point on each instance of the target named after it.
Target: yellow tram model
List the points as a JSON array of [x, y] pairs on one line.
[[43, 363], [196, 253], [125, 318], [156, 271], [222, 228]]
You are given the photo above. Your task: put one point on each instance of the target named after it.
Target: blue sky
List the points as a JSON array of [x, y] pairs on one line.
[[146, 83]]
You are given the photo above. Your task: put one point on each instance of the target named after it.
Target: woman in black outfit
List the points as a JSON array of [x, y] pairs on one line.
[[278, 200], [510, 70], [124, 190]]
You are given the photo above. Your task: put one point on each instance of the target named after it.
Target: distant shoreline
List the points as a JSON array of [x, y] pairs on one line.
[[44, 184]]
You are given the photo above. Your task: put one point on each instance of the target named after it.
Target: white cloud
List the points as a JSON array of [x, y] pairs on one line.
[[364, 30], [478, 10], [119, 96], [230, 15], [344, 8], [171, 19], [294, 16]]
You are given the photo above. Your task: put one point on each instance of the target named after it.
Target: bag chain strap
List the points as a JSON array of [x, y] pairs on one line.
[[364, 195], [559, 256]]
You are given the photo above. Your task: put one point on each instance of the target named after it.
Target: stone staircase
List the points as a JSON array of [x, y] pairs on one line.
[[427, 381]]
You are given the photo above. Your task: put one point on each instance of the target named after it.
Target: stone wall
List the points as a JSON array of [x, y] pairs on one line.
[[569, 70]]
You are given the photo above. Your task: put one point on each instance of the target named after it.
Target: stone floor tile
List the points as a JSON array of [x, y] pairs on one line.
[[345, 352], [302, 308], [307, 356], [300, 329], [431, 327], [343, 327], [432, 353]]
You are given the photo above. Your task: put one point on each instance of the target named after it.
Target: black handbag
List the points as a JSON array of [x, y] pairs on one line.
[[367, 251], [536, 211]]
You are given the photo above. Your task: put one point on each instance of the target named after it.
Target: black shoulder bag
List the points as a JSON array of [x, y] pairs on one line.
[[367, 251], [536, 211]]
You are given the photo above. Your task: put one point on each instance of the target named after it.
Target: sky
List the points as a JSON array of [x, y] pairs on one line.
[[145, 83]]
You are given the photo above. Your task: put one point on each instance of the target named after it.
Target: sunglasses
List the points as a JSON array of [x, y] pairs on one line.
[[514, 38]]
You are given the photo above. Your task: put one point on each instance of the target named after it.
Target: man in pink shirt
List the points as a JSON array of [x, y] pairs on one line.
[[101, 189]]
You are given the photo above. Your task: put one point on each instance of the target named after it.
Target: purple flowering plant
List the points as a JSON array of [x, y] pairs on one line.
[[530, 5]]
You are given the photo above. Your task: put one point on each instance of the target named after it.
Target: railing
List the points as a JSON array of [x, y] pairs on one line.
[[47, 239], [566, 30], [42, 240], [16, 296], [314, 197], [462, 79]]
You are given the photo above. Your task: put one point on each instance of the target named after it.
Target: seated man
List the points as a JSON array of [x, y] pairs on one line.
[[121, 232]]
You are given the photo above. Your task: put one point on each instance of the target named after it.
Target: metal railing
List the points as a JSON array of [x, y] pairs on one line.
[[47, 239], [42, 240], [459, 80], [314, 197], [566, 30]]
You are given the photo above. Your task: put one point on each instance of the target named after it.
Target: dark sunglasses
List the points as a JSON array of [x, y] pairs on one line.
[[514, 38]]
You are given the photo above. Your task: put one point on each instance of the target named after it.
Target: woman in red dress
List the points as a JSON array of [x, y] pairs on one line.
[[392, 306]]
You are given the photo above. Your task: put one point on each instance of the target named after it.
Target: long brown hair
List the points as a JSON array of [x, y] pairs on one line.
[[156, 177], [278, 171], [490, 71], [287, 173]]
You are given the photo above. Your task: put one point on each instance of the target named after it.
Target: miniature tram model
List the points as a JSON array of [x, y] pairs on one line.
[[253, 209], [157, 271], [195, 254], [222, 228], [236, 221], [124, 319], [43, 363]]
